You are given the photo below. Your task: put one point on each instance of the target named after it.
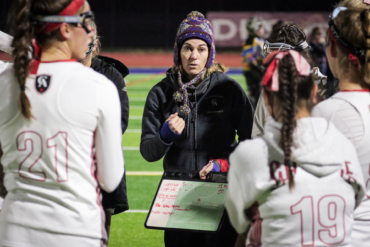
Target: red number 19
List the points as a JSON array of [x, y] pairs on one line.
[[330, 212]]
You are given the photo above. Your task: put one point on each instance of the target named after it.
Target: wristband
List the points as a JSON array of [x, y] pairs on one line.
[[166, 133]]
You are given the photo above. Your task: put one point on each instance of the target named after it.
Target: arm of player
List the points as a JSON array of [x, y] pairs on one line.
[[108, 142], [259, 119], [248, 179], [6, 42]]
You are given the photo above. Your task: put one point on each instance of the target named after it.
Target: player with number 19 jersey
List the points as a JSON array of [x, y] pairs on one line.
[[319, 210], [50, 174]]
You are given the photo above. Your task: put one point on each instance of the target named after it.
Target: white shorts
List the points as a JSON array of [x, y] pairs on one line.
[[18, 236], [360, 233]]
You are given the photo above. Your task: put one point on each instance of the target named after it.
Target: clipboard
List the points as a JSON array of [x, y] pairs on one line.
[[185, 202]]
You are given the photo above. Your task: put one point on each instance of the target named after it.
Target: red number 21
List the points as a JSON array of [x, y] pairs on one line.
[[31, 143]]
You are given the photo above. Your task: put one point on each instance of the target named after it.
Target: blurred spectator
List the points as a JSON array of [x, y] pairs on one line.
[[317, 49], [253, 58]]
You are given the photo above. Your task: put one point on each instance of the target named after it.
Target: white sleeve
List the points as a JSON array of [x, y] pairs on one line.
[[108, 142], [5, 42], [344, 116], [248, 179], [261, 116]]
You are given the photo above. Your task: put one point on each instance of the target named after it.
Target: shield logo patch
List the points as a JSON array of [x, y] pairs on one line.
[[42, 83]]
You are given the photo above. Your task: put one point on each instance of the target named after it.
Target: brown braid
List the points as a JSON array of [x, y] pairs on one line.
[[23, 32], [288, 93]]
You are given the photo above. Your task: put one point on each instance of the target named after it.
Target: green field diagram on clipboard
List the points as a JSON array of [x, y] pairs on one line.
[[188, 205]]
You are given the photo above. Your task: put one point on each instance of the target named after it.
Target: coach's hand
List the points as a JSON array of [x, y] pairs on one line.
[[206, 169], [176, 123]]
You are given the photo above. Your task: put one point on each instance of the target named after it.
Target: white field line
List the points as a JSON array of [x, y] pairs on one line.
[[135, 117], [133, 131], [130, 148], [144, 173], [137, 99], [137, 211]]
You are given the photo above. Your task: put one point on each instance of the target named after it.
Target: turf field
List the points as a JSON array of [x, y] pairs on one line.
[[128, 228]]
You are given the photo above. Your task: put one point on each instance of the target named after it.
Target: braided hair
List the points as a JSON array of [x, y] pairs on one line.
[[290, 34], [24, 31], [294, 92]]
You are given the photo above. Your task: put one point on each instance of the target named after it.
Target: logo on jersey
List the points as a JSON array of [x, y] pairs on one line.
[[42, 83]]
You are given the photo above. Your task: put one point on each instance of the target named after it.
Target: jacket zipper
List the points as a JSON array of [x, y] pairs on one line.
[[194, 144]]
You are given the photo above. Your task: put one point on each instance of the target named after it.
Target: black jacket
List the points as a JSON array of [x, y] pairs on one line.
[[115, 71], [220, 110]]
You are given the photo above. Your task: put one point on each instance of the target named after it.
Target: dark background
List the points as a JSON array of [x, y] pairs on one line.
[[126, 24]]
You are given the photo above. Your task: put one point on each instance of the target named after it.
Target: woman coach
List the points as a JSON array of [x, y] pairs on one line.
[[193, 115]]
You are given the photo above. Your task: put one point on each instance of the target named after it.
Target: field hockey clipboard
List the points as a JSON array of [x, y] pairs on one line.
[[185, 202]]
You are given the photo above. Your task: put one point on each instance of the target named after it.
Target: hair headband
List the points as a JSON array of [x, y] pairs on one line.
[[337, 38], [367, 2], [70, 10], [271, 77], [279, 45]]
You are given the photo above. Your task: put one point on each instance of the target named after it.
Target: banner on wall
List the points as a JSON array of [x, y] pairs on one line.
[[230, 27]]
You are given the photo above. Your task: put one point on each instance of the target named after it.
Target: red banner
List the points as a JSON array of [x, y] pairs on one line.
[[230, 27]]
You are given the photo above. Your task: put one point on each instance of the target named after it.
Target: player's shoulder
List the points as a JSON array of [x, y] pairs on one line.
[[328, 107], [253, 150], [84, 74]]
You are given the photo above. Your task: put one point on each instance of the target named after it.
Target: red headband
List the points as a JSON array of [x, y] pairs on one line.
[[367, 2], [271, 77], [70, 10]]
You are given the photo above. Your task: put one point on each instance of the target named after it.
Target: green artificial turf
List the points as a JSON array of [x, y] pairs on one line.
[[137, 111], [131, 139], [141, 191], [135, 162], [134, 123], [127, 230]]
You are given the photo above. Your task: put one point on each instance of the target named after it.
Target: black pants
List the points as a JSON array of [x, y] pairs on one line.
[[253, 77], [226, 237]]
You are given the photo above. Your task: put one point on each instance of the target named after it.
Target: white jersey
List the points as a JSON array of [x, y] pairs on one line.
[[350, 113], [5, 42], [319, 210], [50, 174], [3, 66]]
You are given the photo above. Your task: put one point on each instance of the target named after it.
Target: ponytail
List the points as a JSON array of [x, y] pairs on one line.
[[23, 33], [288, 85], [365, 18]]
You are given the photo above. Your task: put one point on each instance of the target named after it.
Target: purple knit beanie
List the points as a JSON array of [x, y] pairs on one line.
[[195, 26]]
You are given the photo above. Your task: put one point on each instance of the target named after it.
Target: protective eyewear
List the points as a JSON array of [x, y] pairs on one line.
[[336, 36], [271, 47], [83, 19]]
